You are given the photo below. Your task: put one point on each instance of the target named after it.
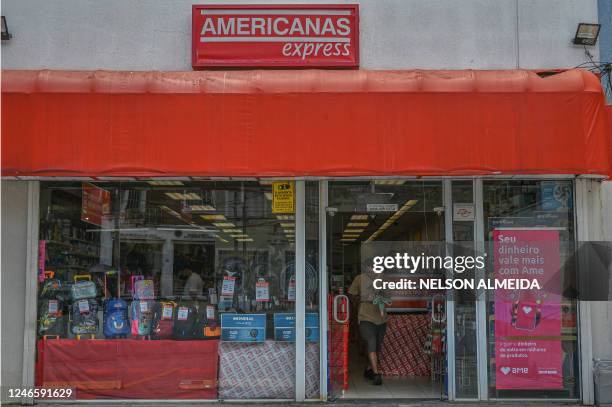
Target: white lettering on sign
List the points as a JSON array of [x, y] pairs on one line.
[[333, 30]]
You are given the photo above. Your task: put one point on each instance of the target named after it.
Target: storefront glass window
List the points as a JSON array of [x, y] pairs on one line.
[[532, 334], [168, 290]]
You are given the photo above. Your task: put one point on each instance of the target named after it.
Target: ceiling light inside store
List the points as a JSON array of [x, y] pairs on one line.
[[191, 196], [359, 217], [164, 183], [289, 230], [354, 230], [201, 208], [240, 235], [347, 240], [233, 231], [389, 182], [244, 240], [288, 225], [356, 224], [392, 219], [224, 224], [284, 217], [213, 217]]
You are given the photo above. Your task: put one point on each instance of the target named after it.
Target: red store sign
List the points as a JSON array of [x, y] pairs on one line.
[[321, 35]]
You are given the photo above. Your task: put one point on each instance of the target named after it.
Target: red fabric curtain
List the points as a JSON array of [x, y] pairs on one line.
[[302, 123]]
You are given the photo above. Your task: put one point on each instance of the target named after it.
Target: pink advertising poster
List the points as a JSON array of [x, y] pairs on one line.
[[528, 351]]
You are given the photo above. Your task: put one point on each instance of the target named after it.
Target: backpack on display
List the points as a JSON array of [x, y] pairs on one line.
[[163, 320], [84, 314], [207, 326], [83, 288], [142, 289], [52, 288], [141, 317], [116, 323], [185, 319], [51, 319]]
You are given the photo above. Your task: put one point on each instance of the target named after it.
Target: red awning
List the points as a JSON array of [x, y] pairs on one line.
[[302, 123]]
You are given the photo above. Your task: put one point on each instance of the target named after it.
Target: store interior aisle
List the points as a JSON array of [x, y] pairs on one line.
[[419, 387]]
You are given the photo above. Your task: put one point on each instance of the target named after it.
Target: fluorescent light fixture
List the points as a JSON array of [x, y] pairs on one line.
[[389, 182], [201, 208], [351, 235], [289, 230], [347, 240], [586, 34], [240, 235], [288, 225], [356, 224], [244, 240], [213, 217], [164, 182], [354, 230], [233, 230], [285, 217], [409, 204], [360, 217], [224, 224], [190, 196]]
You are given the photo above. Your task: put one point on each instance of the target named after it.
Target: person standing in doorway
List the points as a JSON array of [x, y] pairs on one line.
[[372, 318]]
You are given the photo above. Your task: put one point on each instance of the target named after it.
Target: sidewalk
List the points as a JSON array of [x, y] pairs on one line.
[[349, 403]]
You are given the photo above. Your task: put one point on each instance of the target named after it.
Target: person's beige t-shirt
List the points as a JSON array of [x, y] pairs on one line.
[[367, 311]]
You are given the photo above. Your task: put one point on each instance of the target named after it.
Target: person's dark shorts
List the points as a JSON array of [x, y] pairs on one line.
[[372, 335]]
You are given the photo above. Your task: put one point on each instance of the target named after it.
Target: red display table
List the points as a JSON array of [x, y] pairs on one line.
[[130, 369]]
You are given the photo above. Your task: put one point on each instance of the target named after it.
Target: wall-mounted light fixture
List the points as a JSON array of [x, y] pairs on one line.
[[587, 34], [6, 35]]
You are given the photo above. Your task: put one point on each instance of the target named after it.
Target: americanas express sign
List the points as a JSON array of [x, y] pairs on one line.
[[284, 327], [320, 35], [243, 327]]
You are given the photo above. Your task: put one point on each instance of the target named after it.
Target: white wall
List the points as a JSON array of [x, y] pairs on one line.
[[13, 263], [434, 34]]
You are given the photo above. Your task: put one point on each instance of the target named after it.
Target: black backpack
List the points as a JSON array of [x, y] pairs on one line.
[[185, 319]]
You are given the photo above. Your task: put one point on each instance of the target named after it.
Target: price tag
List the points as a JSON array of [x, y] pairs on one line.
[[53, 307], [291, 292], [167, 312], [144, 306], [228, 286], [212, 296], [210, 312], [262, 290], [183, 312], [83, 306]]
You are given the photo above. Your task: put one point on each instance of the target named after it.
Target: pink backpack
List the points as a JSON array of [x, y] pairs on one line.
[[142, 289]]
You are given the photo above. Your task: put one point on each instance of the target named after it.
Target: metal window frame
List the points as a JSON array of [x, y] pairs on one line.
[[300, 292], [323, 201]]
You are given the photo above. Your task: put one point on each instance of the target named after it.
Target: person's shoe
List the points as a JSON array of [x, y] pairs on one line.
[[377, 380], [368, 374]]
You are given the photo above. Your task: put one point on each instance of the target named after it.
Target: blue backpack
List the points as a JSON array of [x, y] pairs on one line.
[[116, 322]]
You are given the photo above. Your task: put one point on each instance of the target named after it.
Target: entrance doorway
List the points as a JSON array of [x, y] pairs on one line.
[[411, 358]]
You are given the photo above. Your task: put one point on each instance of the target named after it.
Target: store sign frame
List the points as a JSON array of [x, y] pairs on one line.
[[275, 35]]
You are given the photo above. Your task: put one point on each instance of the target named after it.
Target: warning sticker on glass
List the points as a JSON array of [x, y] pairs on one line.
[[183, 313], [83, 306], [262, 290], [167, 312], [144, 306], [53, 307], [228, 286]]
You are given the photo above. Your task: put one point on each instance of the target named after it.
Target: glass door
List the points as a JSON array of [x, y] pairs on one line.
[[395, 350]]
